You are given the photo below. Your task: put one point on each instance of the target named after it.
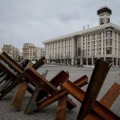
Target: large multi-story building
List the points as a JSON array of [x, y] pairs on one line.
[[11, 51], [84, 47], [31, 52]]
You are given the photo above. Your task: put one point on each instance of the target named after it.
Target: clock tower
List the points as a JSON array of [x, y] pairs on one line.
[[104, 15]]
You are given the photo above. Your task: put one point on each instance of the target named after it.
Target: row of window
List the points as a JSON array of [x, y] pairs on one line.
[[98, 35], [99, 51], [59, 55]]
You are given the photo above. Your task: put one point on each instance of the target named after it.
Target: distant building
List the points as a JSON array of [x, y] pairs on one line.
[[11, 51], [40, 52], [21, 56], [31, 52], [84, 47]]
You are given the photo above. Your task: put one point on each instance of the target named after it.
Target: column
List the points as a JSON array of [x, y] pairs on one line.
[[81, 61]]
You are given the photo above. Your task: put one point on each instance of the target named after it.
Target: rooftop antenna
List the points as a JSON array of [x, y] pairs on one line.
[[83, 27], [88, 25]]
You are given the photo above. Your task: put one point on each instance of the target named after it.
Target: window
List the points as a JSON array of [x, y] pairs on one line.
[[79, 51], [109, 34], [108, 50], [108, 20], [109, 42], [119, 36], [118, 43], [101, 21]]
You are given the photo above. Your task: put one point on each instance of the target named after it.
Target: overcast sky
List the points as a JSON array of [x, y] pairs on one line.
[[35, 21]]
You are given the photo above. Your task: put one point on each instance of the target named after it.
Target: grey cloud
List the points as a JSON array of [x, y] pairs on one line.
[[38, 20]]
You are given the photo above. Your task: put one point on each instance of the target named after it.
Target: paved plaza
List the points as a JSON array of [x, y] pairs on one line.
[[7, 112]]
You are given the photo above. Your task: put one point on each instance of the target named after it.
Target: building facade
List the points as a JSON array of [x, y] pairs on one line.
[[86, 46], [11, 51], [31, 52]]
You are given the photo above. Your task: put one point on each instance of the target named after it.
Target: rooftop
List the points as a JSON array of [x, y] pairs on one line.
[[100, 27], [104, 9]]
